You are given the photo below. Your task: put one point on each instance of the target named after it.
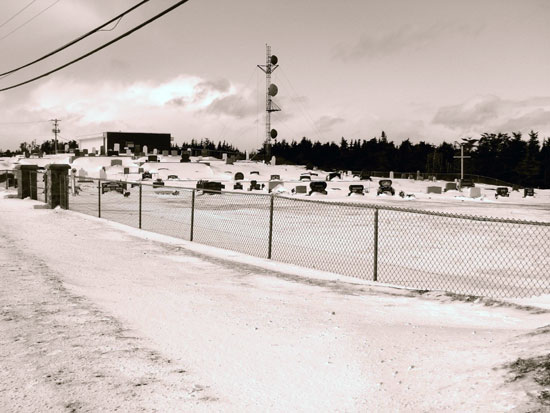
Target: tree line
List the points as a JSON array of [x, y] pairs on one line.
[[510, 158]]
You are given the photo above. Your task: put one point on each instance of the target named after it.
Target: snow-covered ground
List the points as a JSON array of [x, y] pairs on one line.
[[514, 207], [97, 316]]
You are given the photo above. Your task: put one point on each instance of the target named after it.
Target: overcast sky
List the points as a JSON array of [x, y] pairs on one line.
[[429, 70]]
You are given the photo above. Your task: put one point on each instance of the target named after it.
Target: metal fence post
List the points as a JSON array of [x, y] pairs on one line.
[[140, 201], [192, 215], [375, 269], [270, 227], [99, 198]]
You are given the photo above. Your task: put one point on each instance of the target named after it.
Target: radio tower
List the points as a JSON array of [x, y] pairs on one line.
[[270, 106]]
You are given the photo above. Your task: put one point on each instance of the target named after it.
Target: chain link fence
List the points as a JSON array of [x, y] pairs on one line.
[[417, 249]]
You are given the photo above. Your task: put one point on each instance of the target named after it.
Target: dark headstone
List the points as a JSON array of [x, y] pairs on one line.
[[528, 192], [254, 186], [384, 187], [318, 186], [356, 189], [239, 176], [333, 175], [502, 191], [210, 187], [238, 185]]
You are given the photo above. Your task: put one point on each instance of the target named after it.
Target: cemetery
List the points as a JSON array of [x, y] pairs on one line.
[[429, 194]]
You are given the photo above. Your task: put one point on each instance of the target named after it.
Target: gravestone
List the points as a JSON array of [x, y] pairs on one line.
[[152, 158], [301, 189], [274, 183], [528, 192], [365, 176], [305, 177], [85, 151], [275, 177], [116, 147], [128, 151], [185, 157], [145, 150], [333, 175], [174, 152], [140, 170], [356, 189], [318, 187], [254, 173], [450, 186], [474, 192], [165, 153], [238, 185], [115, 162], [102, 173], [82, 173], [433, 190], [239, 176], [254, 186], [224, 157], [502, 191], [391, 174], [126, 171], [155, 151], [210, 187]]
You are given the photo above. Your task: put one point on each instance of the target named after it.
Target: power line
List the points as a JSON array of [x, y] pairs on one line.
[[23, 123], [179, 3], [78, 39], [17, 14], [31, 19]]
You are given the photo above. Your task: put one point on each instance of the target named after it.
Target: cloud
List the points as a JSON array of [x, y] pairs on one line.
[[491, 113], [326, 123], [233, 105], [403, 38], [389, 43]]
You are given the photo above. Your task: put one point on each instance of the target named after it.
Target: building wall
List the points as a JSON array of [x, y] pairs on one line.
[[90, 143], [137, 140]]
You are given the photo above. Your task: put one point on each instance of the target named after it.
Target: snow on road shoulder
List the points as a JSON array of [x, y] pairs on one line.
[[269, 336]]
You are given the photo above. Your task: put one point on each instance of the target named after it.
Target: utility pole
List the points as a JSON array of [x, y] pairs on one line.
[[461, 157], [55, 130], [270, 91]]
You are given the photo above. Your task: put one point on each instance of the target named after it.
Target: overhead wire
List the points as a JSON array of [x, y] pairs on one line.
[[31, 19], [168, 10], [17, 14], [78, 39]]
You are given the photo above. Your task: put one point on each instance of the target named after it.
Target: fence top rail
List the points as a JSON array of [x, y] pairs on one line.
[[355, 205]]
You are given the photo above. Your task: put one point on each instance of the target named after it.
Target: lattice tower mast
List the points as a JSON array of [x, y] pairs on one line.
[[270, 91]]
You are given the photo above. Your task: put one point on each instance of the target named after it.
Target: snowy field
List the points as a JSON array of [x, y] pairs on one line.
[[97, 316], [336, 233]]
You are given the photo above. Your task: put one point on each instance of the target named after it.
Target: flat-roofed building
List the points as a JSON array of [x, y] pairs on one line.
[[110, 142]]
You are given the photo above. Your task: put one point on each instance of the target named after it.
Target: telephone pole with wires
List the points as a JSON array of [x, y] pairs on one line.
[[55, 130], [270, 106]]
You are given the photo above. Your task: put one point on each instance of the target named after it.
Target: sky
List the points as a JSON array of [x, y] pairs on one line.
[[422, 70]]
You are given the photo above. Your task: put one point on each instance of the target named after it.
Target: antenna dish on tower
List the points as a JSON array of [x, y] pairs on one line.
[[274, 60], [273, 89]]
